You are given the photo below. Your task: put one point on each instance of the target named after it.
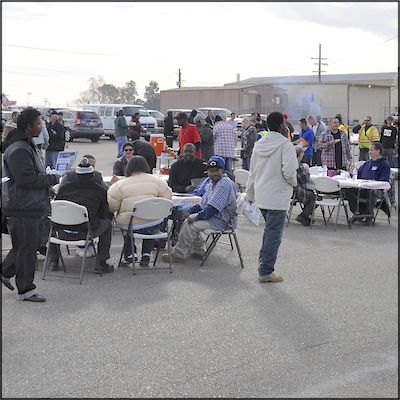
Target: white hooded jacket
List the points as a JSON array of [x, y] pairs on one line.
[[272, 172]]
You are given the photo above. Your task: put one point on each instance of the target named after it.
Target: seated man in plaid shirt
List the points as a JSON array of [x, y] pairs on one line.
[[216, 211], [303, 192]]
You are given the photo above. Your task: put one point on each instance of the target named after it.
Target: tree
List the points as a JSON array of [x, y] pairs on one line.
[[92, 95], [128, 93], [109, 94], [152, 96]]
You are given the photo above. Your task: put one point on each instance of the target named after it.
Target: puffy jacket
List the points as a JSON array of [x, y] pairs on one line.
[[26, 193], [123, 194], [273, 172], [56, 137]]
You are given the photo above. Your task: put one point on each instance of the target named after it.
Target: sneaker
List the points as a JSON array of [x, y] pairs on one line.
[[42, 250], [128, 259], [6, 282], [368, 221], [105, 268], [165, 258], [36, 298], [303, 220], [270, 278], [145, 261], [53, 266], [80, 251]]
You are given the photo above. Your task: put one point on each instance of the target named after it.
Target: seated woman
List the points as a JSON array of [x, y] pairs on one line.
[[122, 195], [303, 192]]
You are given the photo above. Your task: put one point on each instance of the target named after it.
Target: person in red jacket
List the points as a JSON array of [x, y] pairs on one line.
[[188, 134]]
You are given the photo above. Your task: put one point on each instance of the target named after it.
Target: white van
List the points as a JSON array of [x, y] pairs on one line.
[[108, 113]]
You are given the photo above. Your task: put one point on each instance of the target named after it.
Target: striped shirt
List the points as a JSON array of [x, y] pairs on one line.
[[224, 140]]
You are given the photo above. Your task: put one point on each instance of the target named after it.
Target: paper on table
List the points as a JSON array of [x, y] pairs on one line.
[[251, 212]]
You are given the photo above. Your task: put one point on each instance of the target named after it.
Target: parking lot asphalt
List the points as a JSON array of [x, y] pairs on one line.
[[330, 329]]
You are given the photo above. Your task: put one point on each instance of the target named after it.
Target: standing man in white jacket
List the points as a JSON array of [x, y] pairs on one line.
[[270, 185]]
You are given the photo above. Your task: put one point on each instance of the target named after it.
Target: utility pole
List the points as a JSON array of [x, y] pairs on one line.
[[320, 63], [179, 83]]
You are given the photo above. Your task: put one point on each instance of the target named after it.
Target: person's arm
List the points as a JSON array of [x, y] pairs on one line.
[[375, 137], [289, 164], [173, 181], [206, 213], [114, 198], [104, 210], [22, 171], [196, 139], [45, 132], [357, 128], [323, 143], [346, 148], [384, 173], [250, 181], [59, 132], [164, 190], [118, 170], [303, 175]]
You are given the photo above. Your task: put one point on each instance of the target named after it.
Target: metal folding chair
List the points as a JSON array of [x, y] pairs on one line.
[[241, 177]]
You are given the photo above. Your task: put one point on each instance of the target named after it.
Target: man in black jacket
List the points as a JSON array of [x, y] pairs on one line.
[[185, 169], [56, 139], [86, 192], [389, 135], [169, 129], [25, 201]]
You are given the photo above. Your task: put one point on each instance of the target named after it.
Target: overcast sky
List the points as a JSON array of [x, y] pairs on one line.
[[52, 49]]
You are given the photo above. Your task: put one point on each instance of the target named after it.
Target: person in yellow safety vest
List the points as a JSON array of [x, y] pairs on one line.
[[341, 127], [261, 131], [367, 135]]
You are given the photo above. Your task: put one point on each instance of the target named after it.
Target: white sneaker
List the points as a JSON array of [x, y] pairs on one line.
[[80, 251]]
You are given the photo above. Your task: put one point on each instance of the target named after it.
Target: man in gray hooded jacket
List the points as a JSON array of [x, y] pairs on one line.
[[270, 185]]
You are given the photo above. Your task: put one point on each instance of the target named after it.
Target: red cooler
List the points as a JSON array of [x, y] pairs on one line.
[[157, 140]]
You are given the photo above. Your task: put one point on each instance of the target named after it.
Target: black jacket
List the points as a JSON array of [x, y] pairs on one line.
[[120, 166], [146, 150], [86, 192], [168, 126], [388, 136], [27, 191], [181, 173], [72, 175], [56, 136], [207, 141]]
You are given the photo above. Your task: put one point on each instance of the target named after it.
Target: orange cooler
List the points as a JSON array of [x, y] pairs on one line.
[[157, 140]]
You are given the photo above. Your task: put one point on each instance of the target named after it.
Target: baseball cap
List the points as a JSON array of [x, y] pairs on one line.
[[216, 162]]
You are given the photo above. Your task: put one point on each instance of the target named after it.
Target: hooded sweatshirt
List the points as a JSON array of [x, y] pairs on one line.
[[273, 172]]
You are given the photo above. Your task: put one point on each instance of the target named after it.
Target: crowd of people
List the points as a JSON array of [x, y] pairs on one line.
[[277, 165]]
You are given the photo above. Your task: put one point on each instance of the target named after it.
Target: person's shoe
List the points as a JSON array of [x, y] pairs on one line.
[[145, 261], [165, 258], [128, 259], [270, 278], [53, 266], [385, 208], [368, 221], [303, 220], [6, 282], [42, 250], [80, 251], [36, 298], [105, 268]]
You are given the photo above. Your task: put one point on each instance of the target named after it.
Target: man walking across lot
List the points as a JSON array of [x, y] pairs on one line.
[[56, 139], [120, 131], [272, 179], [25, 200]]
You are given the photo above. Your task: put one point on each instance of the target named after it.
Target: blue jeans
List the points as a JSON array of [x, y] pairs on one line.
[[246, 163], [51, 159], [274, 222], [121, 140], [148, 244]]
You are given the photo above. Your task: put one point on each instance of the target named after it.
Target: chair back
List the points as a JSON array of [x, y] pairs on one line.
[[241, 176], [65, 212], [314, 170], [326, 185], [153, 209], [358, 164]]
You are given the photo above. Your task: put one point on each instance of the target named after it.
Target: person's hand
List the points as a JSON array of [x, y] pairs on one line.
[[337, 140], [52, 193], [190, 220], [114, 179], [190, 188], [45, 145], [306, 166], [332, 142]]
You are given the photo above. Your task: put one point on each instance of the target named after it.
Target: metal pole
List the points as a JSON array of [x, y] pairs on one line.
[[319, 64]]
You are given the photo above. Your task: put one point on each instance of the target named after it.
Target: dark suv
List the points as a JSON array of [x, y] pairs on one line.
[[82, 124]]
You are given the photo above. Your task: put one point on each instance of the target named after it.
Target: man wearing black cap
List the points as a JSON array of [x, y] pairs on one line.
[[86, 192], [216, 211], [25, 202], [56, 139]]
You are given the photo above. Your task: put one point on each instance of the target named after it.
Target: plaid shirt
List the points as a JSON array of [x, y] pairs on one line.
[[328, 150], [224, 140], [301, 191]]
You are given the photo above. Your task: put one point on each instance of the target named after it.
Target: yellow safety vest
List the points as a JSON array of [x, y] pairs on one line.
[[344, 128], [366, 137], [289, 136]]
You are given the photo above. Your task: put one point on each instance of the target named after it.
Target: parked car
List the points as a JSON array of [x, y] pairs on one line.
[[108, 113], [219, 111], [82, 123], [159, 117], [5, 117]]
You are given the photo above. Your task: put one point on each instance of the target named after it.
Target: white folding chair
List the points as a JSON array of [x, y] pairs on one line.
[[329, 195], [314, 170], [216, 235], [67, 213], [241, 177], [153, 209], [294, 200]]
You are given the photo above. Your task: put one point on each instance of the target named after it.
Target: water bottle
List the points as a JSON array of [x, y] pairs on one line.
[[320, 171], [355, 174], [324, 170]]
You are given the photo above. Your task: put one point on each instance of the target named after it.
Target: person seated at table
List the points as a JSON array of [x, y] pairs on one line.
[[216, 211], [143, 148], [70, 176], [120, 165], [84, 190], [377, 169], [302, 191], [335, 147], [186, 168], [306, 139], [122, 195]]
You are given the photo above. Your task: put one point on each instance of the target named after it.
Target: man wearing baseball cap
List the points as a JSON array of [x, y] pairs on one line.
[[216, 211]]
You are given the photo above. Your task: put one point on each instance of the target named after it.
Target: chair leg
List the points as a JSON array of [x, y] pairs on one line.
[[312, 214], [61, 258], [169, 252], [215, 238], [337, 216], [230, 240], [133, 252], [122, 250], [289, 214], [157, 253], [46, 261], [347, 215], [83, 263], [68, 252], [238, 249], [330, 213], [97, 258]]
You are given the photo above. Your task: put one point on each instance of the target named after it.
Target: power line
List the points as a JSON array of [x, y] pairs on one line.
[[59, 50], [319, 63], [50, 70]]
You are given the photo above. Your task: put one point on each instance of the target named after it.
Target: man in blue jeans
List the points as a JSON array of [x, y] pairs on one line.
[[270, 185]]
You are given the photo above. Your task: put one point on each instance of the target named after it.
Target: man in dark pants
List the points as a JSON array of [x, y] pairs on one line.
[[169, 129], [84, 190], [25, 201], [56, 139]]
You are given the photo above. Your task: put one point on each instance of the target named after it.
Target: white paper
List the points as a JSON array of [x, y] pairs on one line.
[[251, 212], [65, 160]]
